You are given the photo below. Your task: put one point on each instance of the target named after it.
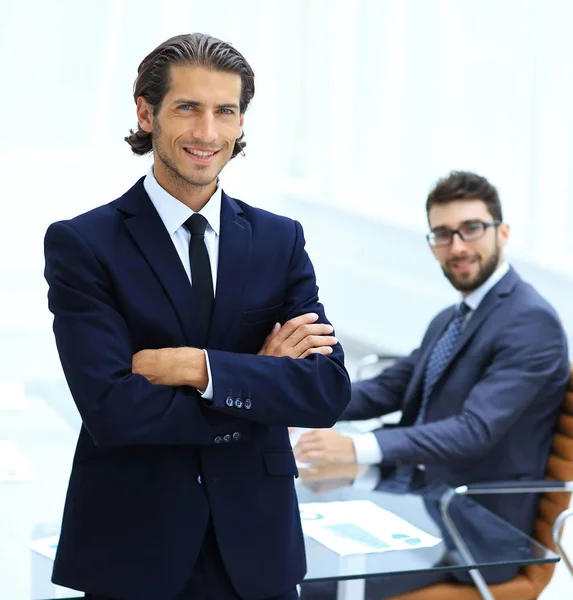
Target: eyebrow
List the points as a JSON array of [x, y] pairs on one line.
[[202, 104]]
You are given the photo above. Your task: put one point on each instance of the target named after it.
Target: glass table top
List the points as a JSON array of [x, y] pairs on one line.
[[491, 541]]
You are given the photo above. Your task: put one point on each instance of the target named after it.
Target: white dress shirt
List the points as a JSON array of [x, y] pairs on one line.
[[365, 444], [174, 213]]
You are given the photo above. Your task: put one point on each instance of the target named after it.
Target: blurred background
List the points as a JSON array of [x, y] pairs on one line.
[[360, 106]]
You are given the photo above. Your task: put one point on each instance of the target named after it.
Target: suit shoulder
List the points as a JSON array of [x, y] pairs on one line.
[[90, 217], [261, 213], [527, 316], [527, 299], [98, 219], [98, 228], [270, 221]]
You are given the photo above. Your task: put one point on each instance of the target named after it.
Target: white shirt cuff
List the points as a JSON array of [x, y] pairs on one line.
[[208, 393], [366, 448], [367, 479]]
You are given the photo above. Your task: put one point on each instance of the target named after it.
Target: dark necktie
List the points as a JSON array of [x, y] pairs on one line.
[[201, 277], [440, 355]]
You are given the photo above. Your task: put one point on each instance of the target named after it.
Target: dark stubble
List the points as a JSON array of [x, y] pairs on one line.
[[485, 272], [178, 179]]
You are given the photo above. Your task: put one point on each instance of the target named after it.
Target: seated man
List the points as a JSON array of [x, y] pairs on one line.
[[481, 396]]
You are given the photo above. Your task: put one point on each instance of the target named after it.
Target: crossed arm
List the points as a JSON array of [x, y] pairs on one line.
[[151, 398], [297, 338]]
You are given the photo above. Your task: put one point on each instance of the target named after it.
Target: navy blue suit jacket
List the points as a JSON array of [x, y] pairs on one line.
[[492, 414], [154, 462]]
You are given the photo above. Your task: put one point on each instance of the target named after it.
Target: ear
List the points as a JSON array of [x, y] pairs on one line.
[[144, 114], [503, 234]]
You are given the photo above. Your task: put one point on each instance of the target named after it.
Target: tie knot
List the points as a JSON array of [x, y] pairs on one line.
[[462, 309], [196, 224]]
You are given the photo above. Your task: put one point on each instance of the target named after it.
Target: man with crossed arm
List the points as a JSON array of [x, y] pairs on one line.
[[166, 303]]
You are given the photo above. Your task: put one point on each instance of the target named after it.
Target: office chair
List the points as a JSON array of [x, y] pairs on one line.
[[372, 364], [553, 512]]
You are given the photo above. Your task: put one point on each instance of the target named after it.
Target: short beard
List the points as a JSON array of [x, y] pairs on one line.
[[485, 272], [177, 178]]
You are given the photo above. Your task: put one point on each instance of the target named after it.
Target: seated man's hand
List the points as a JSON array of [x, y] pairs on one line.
[[325, 478], [325, 447], [299, 337], [325, 472]]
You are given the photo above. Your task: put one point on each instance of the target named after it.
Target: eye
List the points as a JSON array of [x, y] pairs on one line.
[[472, 227], [227, 111], [186, 107], [442, 235]]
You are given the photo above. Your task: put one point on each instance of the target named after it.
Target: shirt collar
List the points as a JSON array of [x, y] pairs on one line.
[[474, 299], [174, 213]]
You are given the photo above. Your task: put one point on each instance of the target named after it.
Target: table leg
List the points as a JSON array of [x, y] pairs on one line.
[[350, 589]]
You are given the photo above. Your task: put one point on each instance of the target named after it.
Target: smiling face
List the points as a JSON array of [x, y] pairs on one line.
[[467, 264], [195, 129]]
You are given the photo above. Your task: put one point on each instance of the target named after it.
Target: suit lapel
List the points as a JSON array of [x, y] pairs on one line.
[[414, 394], [489, 303], [149, 233], [418, 374], [234, 258]]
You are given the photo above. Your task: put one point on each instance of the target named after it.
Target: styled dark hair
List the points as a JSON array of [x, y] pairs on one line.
[[190, 49], [465, 185]]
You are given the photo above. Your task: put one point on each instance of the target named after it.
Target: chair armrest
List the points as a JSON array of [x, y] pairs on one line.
[[371, 360], [522, 487], [514, 487], [557, 531]]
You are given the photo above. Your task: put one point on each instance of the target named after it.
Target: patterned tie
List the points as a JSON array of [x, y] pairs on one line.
[[201, 277], [440, 355]]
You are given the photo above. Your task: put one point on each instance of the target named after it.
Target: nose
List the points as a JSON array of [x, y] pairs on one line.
[[457, 244], [204, 128]]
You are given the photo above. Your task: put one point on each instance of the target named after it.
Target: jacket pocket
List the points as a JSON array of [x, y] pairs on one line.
[[280, 462], [260, 315]]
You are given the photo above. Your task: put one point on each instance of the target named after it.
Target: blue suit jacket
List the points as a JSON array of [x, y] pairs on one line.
[[154, 462], [492, 414]]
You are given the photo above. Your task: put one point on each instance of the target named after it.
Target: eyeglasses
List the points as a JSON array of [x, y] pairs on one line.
[[468, 232]]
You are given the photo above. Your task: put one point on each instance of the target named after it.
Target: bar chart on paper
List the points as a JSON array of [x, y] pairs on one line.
[[360, 527]]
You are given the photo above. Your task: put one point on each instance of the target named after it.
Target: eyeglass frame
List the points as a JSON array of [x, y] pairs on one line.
[[486, 225]]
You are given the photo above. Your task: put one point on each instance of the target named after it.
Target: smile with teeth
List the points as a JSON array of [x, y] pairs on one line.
[[200, 153]]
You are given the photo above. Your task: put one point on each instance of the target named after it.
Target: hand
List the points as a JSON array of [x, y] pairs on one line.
[[172, 366], [325, 447], [328, 472], [326, 478], [299, 337]]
